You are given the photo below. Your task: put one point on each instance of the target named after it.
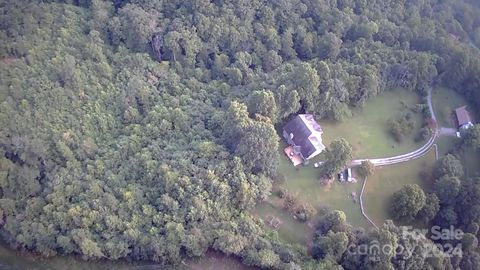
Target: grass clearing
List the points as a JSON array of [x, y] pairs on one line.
[[446, 144], [368, 134], [445, 101], [389, 179], [290, 230], [367, 129], [304, 182]]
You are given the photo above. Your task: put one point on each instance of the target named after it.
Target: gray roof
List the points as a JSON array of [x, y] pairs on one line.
[[300, 132]]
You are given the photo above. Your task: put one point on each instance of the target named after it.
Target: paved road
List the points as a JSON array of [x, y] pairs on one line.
[[443, 131], [411, 155], [430, 105]]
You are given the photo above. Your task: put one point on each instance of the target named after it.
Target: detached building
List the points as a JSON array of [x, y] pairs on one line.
[[304, 135], [463, 118]]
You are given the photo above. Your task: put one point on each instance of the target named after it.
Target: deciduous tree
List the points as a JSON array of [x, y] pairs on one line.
[[407, 202], [337, 156]]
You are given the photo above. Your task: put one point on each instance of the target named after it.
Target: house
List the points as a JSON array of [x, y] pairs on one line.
[[304, 134], [463, 118]]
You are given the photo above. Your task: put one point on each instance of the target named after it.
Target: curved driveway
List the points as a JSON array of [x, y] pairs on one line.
[[411, 155], [422, 150]]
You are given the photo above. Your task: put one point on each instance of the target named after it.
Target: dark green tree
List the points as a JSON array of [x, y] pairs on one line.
[[337, 155], [332, 246], [446, 188], [430, 209], [471, 137], [366, 168], [263, 103], [448, 165], [407, 202], [258, 148]]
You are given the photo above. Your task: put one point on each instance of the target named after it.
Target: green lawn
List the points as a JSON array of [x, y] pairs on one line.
[[446, 144], [389, 179], [305, 183], [444, 102], [291, 230], [367, 130]]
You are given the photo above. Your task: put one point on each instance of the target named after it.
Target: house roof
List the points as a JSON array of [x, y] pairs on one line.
[[307, 134], [463, 116]]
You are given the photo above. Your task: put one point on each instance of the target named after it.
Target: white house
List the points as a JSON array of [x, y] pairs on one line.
[[305, 135]]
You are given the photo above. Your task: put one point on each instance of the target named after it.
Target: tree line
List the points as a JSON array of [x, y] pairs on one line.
[[146, 129]]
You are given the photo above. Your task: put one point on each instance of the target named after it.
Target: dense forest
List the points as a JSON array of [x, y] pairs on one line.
[[146, 129]]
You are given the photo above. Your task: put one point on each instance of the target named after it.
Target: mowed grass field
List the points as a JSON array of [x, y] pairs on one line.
[[445, 101], [305, 182], [368, 134], [290, 230], [367, 130], [389, 179]]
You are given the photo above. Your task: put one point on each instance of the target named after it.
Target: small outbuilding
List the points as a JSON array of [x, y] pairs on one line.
[[463, 118]]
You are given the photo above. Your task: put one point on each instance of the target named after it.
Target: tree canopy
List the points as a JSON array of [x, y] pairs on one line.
[[145, 129], [337, 156], [407, 202]]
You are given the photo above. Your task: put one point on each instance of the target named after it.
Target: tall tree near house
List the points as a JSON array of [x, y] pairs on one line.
[[430, 209], [258, 148], [263, 103], [335, 221], [288, 101], [306, 81], [337, 156], [235, 124], [331, 245]]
